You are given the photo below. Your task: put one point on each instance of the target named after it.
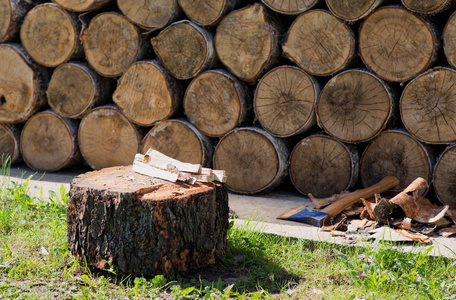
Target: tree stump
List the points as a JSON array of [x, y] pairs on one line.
[[429, 7], [145, 225], [10, 138], [50, 35], [146, 93], [352, 11], [398, 154], [75, 88], [293, 7], [254, 160], [21, 85], [445, 178], [396, 44], [12, 14], [49, 142], [323, 166], [320, 43], [107, 138], [216, 102], [206, 12], [247, 42], [180, 140], [285, 100], [82, 5], [428, 106], [150, 14], [449, 40], [354, 106]]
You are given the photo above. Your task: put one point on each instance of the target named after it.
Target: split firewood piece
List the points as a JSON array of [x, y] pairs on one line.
[[446, 232], [146, 169], [154, 157], [369, 208], [220, 175], [336, 225]]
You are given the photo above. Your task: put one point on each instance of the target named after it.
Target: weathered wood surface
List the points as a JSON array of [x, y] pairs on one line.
[[12, 13], [444, 177], [150, 14], [292, 7], [82, 5], [427, 6], [449, 40], [352, 11], [10, 139], [207, 12], [114, 219]]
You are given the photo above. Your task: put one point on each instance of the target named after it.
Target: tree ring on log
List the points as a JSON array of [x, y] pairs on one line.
[[6, 13], [449, 40], [81, 5], [429, 7], [294, 7], [9, 143], [352, 11], [205, 12], [445, 177], [150, 14]]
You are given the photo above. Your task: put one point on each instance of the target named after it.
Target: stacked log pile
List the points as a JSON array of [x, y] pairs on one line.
[[355, 91]]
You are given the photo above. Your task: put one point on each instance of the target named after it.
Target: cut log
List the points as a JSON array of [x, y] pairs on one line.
[[112, 43], [10, 137], [111, 221], [185, 49], [21, 85], [12, 13], [49, 142], [320, 43], [445, 178], [395, 153], [396, 44], [428, 106], [247, 43], [285, 100], [75, 88], [180, 140], [150, 14], [449, 40], [146, 93], [206, 12], [107, 138], [216, 102], [323, 166], [50, 35], [254, 160], [354, 106], [352, 11], [82, 5], [292, 7], [429, 7]]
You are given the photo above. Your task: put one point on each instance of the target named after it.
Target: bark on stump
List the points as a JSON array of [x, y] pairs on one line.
[[352, 11], [146, 93], [107, 138], [150, 14], [323, 166], [449, 40], [292, 7], [206, 12], [180, 140], [10, 137], [428, 6], [444, 178], [354, 106], [82, 5], [50, 35], [216, 102], [320, 43], [285, 100], [12, 13], [75, 88], [254, 160], [49, 142], [114, 220], [396, 44], [247, 42]]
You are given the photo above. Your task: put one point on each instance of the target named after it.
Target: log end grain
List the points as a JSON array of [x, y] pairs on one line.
[[6, 19], [9, 144], [444, 178], [205, 12], [149, 14], [449, 40], [82, 5], [293, 7], [352, 11], [427, 7]]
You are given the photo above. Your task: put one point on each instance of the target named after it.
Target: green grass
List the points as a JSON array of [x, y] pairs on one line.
[[35, 264]]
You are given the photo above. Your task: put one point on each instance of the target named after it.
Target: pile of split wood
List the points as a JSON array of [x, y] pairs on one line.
[[330, 93]]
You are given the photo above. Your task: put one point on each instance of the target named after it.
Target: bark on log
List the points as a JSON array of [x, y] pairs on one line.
[[449, 40], [354, 106], [445, 178], [254, 160], [146, 93], [82, 5], [206, 12], [50, 35], [429, 7], [247, 43], [292, 7], [49, 142], [395, 153], [428, 106], [12, 13], [75, 88], [216, 102], [396, 44], [150, 14], [21, 85], [352, 11], [320, 43], [285, 100], [185, 49], [323, 166], [174, 227], [180, 140], [107, 138], [10, 138]]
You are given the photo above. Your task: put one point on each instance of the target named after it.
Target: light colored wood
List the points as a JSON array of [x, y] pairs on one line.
[[444, 177], [12, 13], [111, 44], [154, 156], [247, 43], [216, 102], [180, 140], [354, 106], [449, 40], [50, 35], [150, 14], [428, 106], [10, 138], [320, 43], [395, 153], [292, 7], [285, 100], [82, 5], [396, 44], [149, 170], [49, 142], [185, 49], [206, 12], [21, 85], [323, 166], [254, 160], [75, 88], [107, 138], [352, 11], [427, 6]]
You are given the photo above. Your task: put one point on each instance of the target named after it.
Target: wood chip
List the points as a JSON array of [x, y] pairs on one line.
[[446, 232], [336, 225]]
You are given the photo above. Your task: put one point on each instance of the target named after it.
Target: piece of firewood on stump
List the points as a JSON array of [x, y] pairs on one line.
[[10, 138], [82, 5], [429, 7], [207, 12], [145, 225], [445, 177], [352, 11], [291, 7]]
